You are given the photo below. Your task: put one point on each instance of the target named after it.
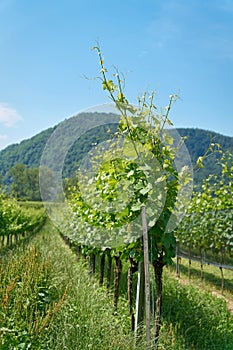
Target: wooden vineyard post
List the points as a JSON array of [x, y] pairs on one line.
[[202, 272], [147, 276], [3, 240], [131, 270], [109, 268], [117, 275], [78, 252], [177, 258], [220, 267], [140, 298], [101, 273], [222, 279], [91, 263], [189, 266]]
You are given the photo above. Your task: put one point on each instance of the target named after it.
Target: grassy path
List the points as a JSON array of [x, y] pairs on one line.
[[48, 301], [211, 281], [197, 317]]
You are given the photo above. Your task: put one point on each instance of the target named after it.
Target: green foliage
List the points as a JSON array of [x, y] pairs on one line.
[[48, 301], [29, 152], [24, 182], [197, 142], [28, 300], [208, 225], [139, 168], [15, 220], [197, 318]]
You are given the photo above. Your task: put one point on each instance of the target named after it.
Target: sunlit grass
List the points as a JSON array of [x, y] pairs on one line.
[[211, 277], [49, 301]]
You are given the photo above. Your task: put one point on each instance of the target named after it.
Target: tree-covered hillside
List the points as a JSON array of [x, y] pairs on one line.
[[29, 151], [197, 142]]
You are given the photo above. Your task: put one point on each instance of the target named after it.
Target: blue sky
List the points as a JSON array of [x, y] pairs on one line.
[[172, 46]]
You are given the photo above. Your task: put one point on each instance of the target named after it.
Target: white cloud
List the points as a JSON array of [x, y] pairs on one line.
[[8, 115]]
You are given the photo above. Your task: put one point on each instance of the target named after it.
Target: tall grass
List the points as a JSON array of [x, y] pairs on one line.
[[28, 300], [49, 301], [197, 318], [87, 320]]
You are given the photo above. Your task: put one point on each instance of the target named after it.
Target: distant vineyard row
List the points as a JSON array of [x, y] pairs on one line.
[[18, 221]]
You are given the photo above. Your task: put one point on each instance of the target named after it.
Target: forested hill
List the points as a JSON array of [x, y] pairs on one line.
[[197, 142], [29, 151], [26, 152]]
